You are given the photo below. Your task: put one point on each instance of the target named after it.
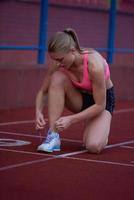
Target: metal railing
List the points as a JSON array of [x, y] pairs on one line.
[[41, 47]]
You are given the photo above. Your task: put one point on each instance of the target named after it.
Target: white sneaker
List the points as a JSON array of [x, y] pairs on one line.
[[52, 143]]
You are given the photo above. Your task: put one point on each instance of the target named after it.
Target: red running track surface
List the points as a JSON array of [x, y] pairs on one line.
[[72, 173]]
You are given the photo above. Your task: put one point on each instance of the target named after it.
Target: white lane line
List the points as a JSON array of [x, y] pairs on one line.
[[65, 155], [107, 147], [62, 155], [26, 152], [44, 154], [64, 139], [127, 147], [101, 161], [124, 110], [37, 136], [33, 121], [119, 144], [17, 122], [21, 134], [26, 163], [72, 153], [39, 160]]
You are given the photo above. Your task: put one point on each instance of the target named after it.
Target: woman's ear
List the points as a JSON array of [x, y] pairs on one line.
[[73, 50]]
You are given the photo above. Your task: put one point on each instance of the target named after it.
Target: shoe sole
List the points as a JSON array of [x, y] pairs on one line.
[[48, 150]]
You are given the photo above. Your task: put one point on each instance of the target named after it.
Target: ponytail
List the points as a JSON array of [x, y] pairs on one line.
[[62, 41], [71, 32]]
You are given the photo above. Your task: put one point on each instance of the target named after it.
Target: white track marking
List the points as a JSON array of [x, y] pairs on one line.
[[26, 163], [37, 136], [6, 142], [124, 110], [127, 147], [38, 161], [66, 155], [119, 144], [44, 154], [26, 152], [72, 153], [21, 134], [17, 122], [33, 121], [64, 139], [101, 161]]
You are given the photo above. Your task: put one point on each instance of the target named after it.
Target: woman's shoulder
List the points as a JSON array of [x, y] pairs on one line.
[[95, 58], [95, 63], [92, 55]]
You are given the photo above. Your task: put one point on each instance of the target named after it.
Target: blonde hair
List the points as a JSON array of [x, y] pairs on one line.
[[63, 41]]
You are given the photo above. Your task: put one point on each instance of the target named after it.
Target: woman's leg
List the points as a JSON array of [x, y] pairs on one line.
[[97, 131], [61, 92]]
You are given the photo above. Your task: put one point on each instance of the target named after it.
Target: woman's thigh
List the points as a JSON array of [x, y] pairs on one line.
[[97, 131], [73, 97]]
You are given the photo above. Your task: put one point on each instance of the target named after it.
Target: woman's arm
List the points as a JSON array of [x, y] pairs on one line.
[[40, 103], [42, 93], [42, 96], [96, 71]]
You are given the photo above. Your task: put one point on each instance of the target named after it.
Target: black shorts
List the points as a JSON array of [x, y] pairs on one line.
[[88, 100]]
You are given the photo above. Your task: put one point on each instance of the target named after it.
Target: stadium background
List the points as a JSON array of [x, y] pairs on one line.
[[21, 76]]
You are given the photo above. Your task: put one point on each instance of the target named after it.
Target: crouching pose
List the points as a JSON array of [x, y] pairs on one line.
[[78, 79]]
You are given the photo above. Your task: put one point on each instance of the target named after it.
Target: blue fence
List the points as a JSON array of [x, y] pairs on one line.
[[41, 47]]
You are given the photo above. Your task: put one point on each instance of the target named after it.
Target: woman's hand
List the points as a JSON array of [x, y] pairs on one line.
[[63, 122], [40, 121]]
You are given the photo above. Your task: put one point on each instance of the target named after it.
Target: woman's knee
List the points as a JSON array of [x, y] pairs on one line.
[[58, 78], [95, 147]]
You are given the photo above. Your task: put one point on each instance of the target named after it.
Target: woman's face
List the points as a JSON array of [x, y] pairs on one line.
[[65, 60]]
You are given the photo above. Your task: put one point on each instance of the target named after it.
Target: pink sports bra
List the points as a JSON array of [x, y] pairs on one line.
[[86, 83]]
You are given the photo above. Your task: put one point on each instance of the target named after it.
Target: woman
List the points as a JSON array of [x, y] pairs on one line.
[[80, 80]]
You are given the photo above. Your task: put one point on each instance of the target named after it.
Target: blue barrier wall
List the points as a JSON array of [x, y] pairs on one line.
[[43, 8], [21, 76]]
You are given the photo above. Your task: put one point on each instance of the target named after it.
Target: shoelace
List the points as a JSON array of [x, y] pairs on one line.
[[49, 138]]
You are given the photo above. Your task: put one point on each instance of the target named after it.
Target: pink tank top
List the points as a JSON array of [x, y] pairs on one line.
[[86, 83]]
